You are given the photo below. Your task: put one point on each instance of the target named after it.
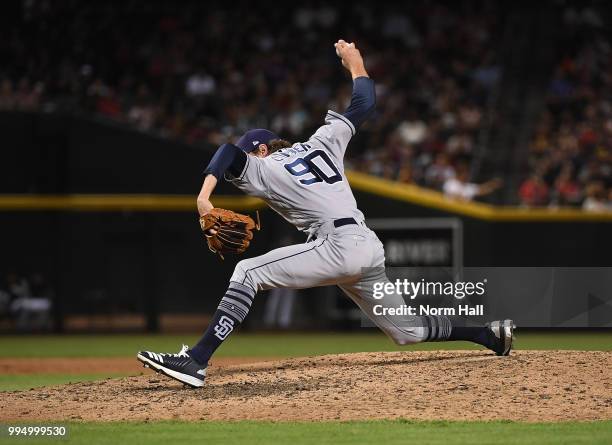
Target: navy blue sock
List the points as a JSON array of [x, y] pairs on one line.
[[232, 311], [221, 325], [481, 335]]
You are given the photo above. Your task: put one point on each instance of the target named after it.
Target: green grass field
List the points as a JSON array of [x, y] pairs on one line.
[[298, 433], [290, 345], [271, 345]]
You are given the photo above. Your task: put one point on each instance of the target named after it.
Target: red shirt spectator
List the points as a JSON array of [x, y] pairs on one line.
[[534, 191], [109, 106], [568, 190]]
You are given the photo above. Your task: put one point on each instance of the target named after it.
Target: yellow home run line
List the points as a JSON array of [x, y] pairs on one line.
[[435, 200], [97, 203], [365, 183]]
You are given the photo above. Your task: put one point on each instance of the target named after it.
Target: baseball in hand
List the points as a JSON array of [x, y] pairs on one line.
[[348, 45]]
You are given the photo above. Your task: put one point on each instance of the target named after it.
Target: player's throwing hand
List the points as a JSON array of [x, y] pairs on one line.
[[351, 58]]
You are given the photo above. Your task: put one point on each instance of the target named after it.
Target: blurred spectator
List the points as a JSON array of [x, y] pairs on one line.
[[143, 113], [17, 285], [567, 190], [459, 186], [597, 198], [534, 191], [406, 175], [29, 301], [200, 84], [412, 131], [7, 99], [440, 172]]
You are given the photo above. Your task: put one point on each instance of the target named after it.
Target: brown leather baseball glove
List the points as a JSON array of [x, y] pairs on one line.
[[227, 231]]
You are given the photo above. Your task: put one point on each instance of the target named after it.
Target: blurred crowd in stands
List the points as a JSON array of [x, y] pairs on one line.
[[205, 75], [570, 160]]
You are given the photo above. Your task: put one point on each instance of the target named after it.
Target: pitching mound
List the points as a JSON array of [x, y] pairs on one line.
[[460, 385]]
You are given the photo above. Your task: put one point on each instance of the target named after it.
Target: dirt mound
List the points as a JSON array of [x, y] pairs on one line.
[[462, 385]]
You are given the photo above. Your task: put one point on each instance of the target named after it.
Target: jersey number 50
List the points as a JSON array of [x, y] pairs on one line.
[[318, 166]]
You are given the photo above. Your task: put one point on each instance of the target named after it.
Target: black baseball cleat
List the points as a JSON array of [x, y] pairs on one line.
[[179, 366], [503, 331]]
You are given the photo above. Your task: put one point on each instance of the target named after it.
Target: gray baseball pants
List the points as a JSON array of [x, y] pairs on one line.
[[351, 257]]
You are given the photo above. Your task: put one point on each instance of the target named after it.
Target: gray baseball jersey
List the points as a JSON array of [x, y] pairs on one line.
[[306, 183]]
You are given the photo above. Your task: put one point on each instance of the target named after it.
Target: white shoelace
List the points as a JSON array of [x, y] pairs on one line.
[[182, 352]]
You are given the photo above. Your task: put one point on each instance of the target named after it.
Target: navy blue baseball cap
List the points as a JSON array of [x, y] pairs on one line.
[[252, 138]]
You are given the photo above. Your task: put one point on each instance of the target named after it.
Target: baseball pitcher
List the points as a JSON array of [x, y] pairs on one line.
[[306, 184]]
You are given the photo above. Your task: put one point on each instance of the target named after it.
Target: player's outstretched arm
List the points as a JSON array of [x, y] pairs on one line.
[[351, 58], [363, 99]]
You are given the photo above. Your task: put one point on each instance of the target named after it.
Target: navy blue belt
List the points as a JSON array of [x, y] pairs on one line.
[[338, 223], [344, 222]]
